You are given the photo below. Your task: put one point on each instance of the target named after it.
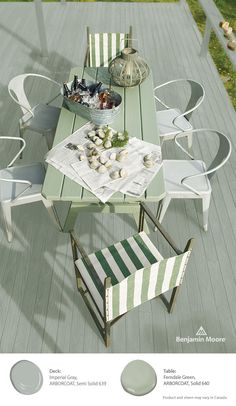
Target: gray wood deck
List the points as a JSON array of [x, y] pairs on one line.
[[40, 309]]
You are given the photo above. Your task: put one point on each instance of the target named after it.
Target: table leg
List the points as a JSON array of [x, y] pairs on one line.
[[136, 218], [70, 218], [75, 209]]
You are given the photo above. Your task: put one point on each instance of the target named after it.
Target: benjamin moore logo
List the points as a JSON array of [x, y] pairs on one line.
[[200, 337], [201, 332]]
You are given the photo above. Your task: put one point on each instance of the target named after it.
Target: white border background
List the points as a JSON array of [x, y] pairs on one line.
[[219, 369]]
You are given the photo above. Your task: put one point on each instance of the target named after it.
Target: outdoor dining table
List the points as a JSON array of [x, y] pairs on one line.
[[138, 117]]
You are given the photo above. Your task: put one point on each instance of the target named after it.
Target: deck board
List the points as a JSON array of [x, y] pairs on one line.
[[41, 310]]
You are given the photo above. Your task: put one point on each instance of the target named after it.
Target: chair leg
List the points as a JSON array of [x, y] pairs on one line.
[[107, 335], [169, 304], [158, 213], [6, 208], [52, 212], [205, 210], [49, 139], [21, 132], [190, 140], [162, 207], [173, 299]]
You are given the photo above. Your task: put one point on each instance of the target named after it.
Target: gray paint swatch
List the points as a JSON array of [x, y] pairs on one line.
[[138, 378], [26, 377]]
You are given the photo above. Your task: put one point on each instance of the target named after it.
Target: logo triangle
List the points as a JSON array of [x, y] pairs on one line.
[[201, 332]]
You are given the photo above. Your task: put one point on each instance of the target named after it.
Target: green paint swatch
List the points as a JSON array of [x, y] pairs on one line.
[[26, 377], [138, 378]]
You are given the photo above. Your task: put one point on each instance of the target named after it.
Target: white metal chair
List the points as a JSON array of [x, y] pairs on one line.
[[102, 47], [171, 120], [41, 118], [190, 179], [21, 185], [119, 278]]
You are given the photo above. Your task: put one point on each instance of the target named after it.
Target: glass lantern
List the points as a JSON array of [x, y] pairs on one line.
[[128, 69]]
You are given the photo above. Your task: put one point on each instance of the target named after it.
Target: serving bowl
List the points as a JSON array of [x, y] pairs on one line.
[[90, 107]]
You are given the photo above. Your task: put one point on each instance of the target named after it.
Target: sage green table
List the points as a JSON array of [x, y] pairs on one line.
[[138, 117]]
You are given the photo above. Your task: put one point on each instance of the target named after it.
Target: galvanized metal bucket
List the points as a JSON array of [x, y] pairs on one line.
[[97, 116]]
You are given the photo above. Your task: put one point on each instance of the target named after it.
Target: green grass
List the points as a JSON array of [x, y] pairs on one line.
[[223, 63]]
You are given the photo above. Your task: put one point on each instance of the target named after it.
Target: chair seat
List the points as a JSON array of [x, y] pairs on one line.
[[117, 261], [165, 122], [45, 118], [34, 173], [176, 170]]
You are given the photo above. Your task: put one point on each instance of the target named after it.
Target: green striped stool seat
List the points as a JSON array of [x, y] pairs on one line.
[[118, 261], [103, 47]]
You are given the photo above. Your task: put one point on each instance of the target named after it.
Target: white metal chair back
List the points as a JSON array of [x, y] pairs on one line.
[[21, 185], [17, 91], [12, 180], [190, 179], [20, 150], [196, 97], [221, 157]]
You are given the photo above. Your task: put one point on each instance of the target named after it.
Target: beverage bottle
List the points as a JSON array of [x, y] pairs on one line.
[[66, 90], [103, 99], [82, 85], [95, 89], [74, 83]]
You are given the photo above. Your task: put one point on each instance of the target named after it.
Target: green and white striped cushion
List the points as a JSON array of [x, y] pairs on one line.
[[103, 47], [118, 261], [145, 284]]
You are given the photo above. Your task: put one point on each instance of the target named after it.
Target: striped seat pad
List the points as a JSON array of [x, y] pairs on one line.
[[145, 284], [103, 47], [117, 261]]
